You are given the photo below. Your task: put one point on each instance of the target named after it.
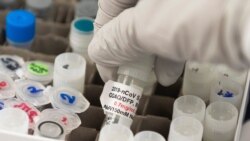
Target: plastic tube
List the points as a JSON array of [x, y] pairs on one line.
[[185, 129], [69, 71], [220, 122], [149, 136], [20, 28], [115, 132], [189, 105], [120, 99]]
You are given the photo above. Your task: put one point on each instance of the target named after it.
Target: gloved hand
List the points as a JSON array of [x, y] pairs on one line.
[[173, 30], [245, 132]]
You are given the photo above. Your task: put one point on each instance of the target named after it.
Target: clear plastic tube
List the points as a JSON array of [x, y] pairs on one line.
[[116, 132], [191, 106], [115, 118], [120, 99]]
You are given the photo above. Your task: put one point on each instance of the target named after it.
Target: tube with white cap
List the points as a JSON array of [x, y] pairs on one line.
[[69, 71], [149, 136], [185, 129], [120, 99], [197, 80], [115, 132], [14, 120]]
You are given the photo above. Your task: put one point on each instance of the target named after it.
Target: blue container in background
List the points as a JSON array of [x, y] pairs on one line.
[[20, 28]]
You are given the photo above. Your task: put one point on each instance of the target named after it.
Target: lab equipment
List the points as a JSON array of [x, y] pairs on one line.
[[120, 99], [7, 87], [9, 64], [39, 71], [148, 136], [68, 99], [14, 120], [228, 90], [32, 92], [69, 71], [20, 28], [189, 105], [197, 80], [220, 122], [185, 129], [32, 112], [56, 123], [40, 8], [81, 33], [239, 77], [116, 132]]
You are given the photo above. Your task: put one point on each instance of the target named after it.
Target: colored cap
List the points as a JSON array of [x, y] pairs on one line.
[[20, 26], [39, 71], [83, 25]]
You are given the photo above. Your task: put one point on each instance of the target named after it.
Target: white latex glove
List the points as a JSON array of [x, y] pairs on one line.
[[214, 31], [108, 9], [245, 132]]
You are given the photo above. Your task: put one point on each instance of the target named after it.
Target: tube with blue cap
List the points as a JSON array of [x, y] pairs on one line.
[[20, 28]]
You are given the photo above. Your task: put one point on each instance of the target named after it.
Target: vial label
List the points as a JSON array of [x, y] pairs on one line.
[[64, 120], [226, 94], [3, 85], [1, 105], [33, 90], [10, 64], [67, 98], [38, 68], [32, 113], [120, 99]]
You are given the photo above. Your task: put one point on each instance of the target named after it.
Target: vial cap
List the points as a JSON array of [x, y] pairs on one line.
[[115, 132], [7, 87], [37, 71], [149, 135], [68, 99], [50, 129], [14, 120], [20, 26], [81, 33], [70, 120], [10, 63], [32, 112], [83, 25], [32, 92]]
